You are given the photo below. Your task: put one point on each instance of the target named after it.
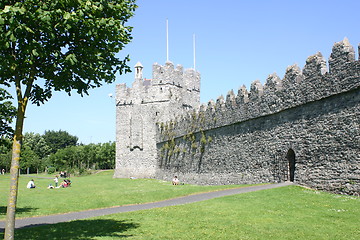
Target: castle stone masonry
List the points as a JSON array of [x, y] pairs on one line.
[[171, 91], [303, 128]]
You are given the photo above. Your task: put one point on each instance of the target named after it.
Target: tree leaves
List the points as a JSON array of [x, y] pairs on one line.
[[71, 58], [7, 9], [59, 139], [67, 15], [34, 33], [7, 114], [14, 9]]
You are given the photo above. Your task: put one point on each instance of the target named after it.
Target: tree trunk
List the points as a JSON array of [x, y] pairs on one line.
[[14, 172]]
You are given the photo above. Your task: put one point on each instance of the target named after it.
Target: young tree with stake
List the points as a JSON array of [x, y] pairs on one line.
[[57, 45]]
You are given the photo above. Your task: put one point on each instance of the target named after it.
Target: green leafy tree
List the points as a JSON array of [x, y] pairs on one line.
[[72, 159], [37, 143], [65, 159], [89, 155], [57, 45], [79, 159], [30, 161], [7, 114], [34, 151], [106, 156], [56, 140], [5, 153]]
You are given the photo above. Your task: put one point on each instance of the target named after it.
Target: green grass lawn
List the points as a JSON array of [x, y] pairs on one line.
[[289, 212], [90, 192]]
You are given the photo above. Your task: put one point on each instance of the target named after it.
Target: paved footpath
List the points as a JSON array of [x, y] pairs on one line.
[[51, 219]]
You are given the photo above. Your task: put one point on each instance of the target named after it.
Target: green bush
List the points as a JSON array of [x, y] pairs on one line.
[[51, 170]]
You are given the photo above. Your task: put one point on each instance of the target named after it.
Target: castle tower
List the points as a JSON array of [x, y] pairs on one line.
[[170, 92], [138, 70]]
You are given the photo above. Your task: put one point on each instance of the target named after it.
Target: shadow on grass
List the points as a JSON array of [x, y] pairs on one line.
[[77, 230], [18, 210]]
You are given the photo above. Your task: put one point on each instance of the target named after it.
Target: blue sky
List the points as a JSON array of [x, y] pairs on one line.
[[237, 42]]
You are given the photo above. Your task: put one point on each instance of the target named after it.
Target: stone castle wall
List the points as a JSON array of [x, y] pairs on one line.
[[304, 127], [171, 91]]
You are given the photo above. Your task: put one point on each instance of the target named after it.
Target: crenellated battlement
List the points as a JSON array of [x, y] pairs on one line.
[[167, 84], [304, 127], [314, 82], [188, 79]]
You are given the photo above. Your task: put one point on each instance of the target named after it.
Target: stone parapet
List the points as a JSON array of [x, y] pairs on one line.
[[304, 127]]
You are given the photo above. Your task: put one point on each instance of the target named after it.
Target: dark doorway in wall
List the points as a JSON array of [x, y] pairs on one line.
[[291, 159]]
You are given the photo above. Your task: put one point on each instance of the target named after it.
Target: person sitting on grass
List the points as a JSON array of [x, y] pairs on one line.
[[175, 181], [65, 183], [68, 182], [31, 184]]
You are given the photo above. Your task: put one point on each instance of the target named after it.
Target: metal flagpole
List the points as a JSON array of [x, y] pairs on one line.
[[167, 40], [194, 49]]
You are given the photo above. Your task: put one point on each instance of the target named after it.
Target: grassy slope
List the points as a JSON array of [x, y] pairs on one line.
[[90, 192], [284, 213]]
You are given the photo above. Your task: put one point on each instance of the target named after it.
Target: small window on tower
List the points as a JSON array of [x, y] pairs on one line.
[[156, 113]]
